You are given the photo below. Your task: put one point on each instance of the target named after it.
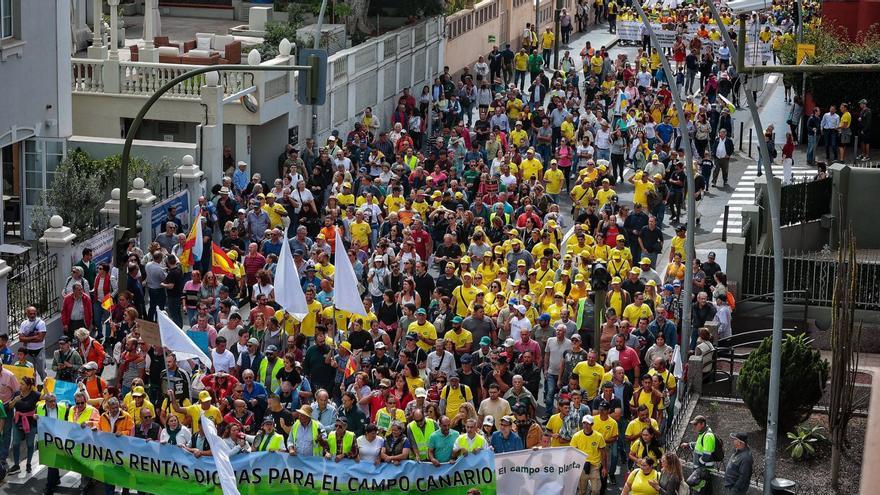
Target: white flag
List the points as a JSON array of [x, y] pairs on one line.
[[288, 289], [176, 339], [678, 368], [198, 247], [221, 458], [564, 247], [345, 285]]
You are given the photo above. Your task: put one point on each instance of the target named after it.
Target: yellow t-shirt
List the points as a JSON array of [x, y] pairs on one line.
[[519, 137], [581, 197], [345, 199], [640, 483], [845, 120], [514, 108], [596, 62], [290, 323], [547, 40], [195, 411], [677, 244], [608, 427], [459, 340], [640, 195], [394, 204], [135, 411], [603, 196], [632, 313], [521, 61], [274, 212], [341, 316], [360, 232], [463, 297], [590, 445], [554, 424], [635, 427], [554, 180], [668, 378], [639, 399], [489, 272], [589, 377], [530, 168], [421, 207], [310, 321], [427, 331]]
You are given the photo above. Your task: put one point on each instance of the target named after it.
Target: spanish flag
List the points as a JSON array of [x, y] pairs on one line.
[[192, 248], [351, 367], [220, 262], [107, 303]]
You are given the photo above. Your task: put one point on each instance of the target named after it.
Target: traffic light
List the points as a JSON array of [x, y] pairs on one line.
[[312, 84], [600, 278]]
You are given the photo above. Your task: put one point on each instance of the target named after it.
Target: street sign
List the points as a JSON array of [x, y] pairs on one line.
[[805, 50], [312, 84], [491, 38]]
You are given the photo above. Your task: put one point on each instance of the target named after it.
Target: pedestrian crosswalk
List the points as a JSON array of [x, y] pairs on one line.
[[744, 195]]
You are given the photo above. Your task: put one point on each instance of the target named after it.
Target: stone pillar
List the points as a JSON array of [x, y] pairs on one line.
[[59, 241], [840, 176], [212, 130], [97, 50], [191, 176], [149, 53], [243, 142], [145, 200], [4, 296], [736, 251], [751, 214], [111, 207], [114, 29]]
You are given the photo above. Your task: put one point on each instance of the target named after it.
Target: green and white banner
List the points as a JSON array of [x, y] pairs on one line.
[[164, 469]]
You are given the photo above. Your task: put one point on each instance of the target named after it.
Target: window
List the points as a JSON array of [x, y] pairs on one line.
[[6, 19], [41, 158]]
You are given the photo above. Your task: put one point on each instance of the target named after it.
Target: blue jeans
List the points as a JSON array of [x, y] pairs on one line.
[[544, 151], [19, 436], [830, 144], [100, 314], [618, 450], [549, 393], [603, 154], [659, 212], [811, 148]]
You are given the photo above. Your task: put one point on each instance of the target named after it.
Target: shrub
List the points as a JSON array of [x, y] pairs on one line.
[[803, 376]]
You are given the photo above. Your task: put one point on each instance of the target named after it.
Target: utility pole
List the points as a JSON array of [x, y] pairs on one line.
[[557, 34], [317, 44], [690, 251], [778, 265]]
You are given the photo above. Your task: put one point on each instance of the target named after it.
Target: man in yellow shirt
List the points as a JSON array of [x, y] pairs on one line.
[[424, 330], [531, 166], [642, 183], [553, 179], [677, 244], [396, 201], [346, 197], [521, 66], [464, 294], [360, 229], [637, 309], [462, 340], [605, 193], [547, 40], [556, 422], [518, 136], [310, 321], [589, 374], [591, 443], [275, 211], [196, 410]]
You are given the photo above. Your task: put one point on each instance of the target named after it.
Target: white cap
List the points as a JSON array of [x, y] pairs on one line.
[[588, 418], [521, 308]]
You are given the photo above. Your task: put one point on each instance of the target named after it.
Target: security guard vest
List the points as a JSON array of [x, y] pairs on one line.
[[421, 436]]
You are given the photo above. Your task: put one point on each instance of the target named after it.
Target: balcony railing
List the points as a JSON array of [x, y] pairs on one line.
[[143, 79]]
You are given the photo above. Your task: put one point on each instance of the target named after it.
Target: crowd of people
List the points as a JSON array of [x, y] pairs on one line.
[[475, 219]]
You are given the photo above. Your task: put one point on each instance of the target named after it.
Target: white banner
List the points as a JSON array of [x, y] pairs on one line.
[[553, 471]]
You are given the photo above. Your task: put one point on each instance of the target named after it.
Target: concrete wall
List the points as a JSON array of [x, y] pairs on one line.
[[861, 194], [809, 236], [267, 145], [151, 151], [31, 81]]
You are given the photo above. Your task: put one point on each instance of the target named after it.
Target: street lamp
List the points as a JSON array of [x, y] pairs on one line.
[[690, 251], [778, 265]]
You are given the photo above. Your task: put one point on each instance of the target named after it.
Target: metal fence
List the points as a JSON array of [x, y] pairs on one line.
[[810, 272], [805, 201], [680, 419], [33, 284], [171, 186]]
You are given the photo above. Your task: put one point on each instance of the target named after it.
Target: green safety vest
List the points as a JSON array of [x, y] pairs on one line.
[[273, 382], [347, 441], [421, 436], [62, 410], [462, 443], [83, 416], [317, 450], [270, 443]]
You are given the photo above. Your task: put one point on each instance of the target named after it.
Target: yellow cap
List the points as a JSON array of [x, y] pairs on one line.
[[204, 396], [651, 283], [548, 285], [645, 261], [345, 345], [578, 278], [521, 263], [527, 298], [615, 280]]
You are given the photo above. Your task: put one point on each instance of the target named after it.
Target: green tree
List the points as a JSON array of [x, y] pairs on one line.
[[803, 376]]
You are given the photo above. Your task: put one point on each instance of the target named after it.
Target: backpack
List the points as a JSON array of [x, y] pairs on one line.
[[718, 453]]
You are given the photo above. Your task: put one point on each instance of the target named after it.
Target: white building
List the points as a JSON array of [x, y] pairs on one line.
[[35, 103]]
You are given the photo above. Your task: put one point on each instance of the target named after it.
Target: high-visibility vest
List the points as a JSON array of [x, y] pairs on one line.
[[84, 417], [462, 443], [317, 450], [421, 436], [62, 410], [270, 443], [274, 382], [347, 441]]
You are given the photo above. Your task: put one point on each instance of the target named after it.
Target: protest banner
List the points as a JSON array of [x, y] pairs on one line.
[[20, 372], [164, 469], [149, 331], [63, 391], [160, 212], [544, 471]]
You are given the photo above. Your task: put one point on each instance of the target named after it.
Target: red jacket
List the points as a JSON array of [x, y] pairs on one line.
[[67, 307]]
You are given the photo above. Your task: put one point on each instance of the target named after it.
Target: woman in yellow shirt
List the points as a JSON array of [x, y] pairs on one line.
[[674, 270], [641, 481]]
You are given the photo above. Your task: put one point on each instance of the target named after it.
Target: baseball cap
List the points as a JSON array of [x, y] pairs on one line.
[[588, 418], [544, 317], [698, 419], [421, 392], [456, 319], [489, 421], [485, 340], [466, 357], [91, 365], [421, 311], [204, 396]]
